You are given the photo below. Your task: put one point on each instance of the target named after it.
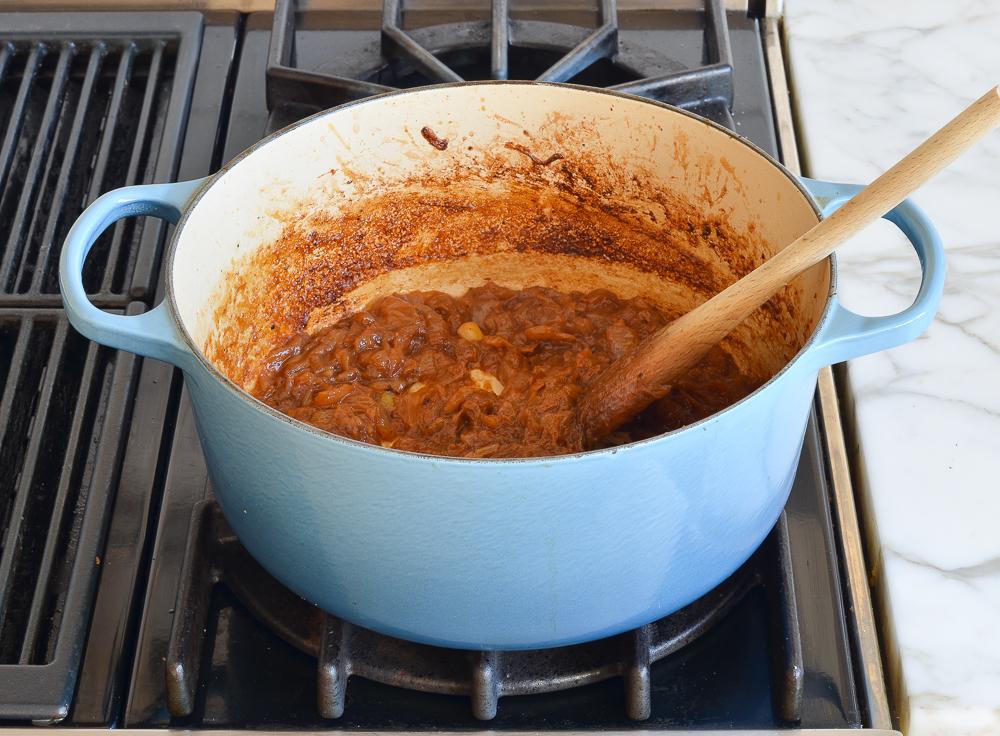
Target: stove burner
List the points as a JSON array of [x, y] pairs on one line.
[[502, 48], [392, 57], [342, 650]]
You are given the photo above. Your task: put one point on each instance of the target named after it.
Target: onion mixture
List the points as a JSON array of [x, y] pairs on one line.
[[493, 373]]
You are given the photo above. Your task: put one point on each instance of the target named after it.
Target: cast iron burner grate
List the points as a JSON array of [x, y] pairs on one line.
[[63, 404], [214, 555], [87, 103], [504, 47], [84, 110]]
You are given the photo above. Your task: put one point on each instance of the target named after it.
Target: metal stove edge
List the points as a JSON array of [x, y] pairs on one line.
[[860, 610]]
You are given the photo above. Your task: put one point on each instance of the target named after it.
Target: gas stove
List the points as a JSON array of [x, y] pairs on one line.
[[125, 599]]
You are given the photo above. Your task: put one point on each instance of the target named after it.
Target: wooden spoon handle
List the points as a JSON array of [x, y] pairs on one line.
[[636, 380]]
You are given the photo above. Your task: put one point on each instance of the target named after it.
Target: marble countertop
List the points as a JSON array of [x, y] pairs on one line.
[[869, 81]]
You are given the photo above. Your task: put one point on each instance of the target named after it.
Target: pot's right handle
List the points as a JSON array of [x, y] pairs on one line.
[[154, 334], [849, 335]]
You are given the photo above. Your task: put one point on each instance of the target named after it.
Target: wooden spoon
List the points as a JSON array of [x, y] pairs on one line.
[[636, 380]]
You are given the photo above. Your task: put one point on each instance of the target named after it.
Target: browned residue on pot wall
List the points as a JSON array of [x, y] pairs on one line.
[[494, 200], [431, 137], [521, 148]]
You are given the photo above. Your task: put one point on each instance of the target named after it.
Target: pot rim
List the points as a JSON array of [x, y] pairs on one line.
[[230, 386]]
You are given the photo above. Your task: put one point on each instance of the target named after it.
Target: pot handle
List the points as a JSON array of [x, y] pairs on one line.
[[850, 335], [154, 334]]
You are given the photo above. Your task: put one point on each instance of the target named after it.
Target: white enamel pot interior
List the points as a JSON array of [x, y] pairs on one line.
[[539, 184]]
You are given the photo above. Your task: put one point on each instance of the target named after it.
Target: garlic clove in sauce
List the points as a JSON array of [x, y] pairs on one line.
[[470, 331], [486, 381]]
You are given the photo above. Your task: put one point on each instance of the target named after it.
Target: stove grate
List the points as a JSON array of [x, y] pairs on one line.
[[88, 102], [80, 114], [423, 55], [63, 407], [342, 650]]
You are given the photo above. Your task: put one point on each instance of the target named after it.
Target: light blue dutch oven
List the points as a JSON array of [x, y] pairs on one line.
[[498, 554]]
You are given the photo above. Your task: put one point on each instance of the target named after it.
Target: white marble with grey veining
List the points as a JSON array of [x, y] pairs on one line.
[[870, 80]]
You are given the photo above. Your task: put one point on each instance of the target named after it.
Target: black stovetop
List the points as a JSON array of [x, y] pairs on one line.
[[171, 96]]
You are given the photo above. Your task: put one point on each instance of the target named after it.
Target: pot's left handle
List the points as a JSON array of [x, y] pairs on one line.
[[850, 335], [155, 333]]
